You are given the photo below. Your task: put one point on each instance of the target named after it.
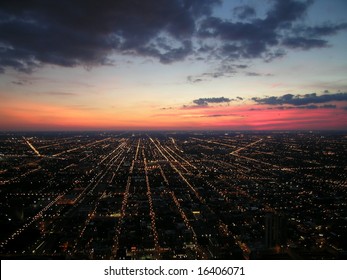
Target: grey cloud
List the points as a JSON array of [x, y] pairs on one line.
[[257, 38], [298, 100], [220, 115], [253, 74], [326, 29], [86, 33], [225, 70], [214, 116], [307, 107], [304, 43], [206, 101], [205, 77], [244, 12], [269, 37], [193, 79], [312, 107], [329, 106], [311, 37], [18, 83], [241, 66]]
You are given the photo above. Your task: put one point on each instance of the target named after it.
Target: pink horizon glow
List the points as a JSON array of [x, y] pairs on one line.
[[241, 117]]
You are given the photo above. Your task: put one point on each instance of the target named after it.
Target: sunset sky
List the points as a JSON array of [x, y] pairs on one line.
[[173, 64]]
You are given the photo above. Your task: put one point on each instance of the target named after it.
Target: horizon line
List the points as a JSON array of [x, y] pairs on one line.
[[179, 130]]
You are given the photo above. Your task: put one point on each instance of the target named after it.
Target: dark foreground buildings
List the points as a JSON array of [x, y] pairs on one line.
[[198, 195]]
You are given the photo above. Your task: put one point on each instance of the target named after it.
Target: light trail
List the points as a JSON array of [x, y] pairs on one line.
[[178, 205], [119, 227], [159, 149], [151, 210], [137, 149], [82, 146], [213, 142], [32, 147], [186, 161], [90, 187], [245, 147], [30, 222], [179, 173]]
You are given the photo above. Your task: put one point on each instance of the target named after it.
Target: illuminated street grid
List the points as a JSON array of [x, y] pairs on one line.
[[166, 195]]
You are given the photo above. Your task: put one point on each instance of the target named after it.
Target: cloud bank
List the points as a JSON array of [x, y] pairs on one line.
[[299, 100], [87, 33]]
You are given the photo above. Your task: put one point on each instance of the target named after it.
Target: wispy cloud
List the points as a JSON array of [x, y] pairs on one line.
[[61, 93], [221, 115], [306, 107], [221, 71], [19, 83]]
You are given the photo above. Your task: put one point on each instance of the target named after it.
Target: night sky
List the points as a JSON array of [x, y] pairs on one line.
[[173, 64]]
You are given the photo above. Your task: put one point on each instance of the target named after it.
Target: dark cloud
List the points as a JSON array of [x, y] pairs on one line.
[[214, 116], [18, 83], [241, 66], [310, 107], [73, 33], [225, 70], [267, 37], [285, 12], [60, 93], [244, 12], [86, 32], [299, 100], [258, 37], [239, 40], [221, 115], [326, 29], [304, 43], [253, 74], [272, 55], [307, 107], [311, 37], [329, 106], [206, 101], [21, 82]]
